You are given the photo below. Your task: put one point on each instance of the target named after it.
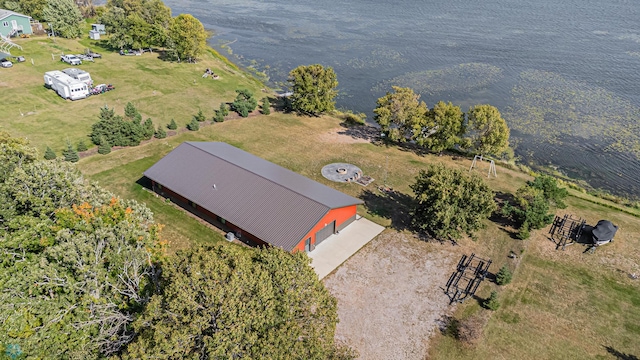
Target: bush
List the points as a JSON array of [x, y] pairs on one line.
[[194, 125], [218, 117], [504, 275], [81, 146], [172, 125], [49, 154], [104, 148], [224, 109], [492, 302], [244, 103], [551, 192], [470, 330], [70, 154], [160, 133], [148, 129], [266, 106], [199, 116]]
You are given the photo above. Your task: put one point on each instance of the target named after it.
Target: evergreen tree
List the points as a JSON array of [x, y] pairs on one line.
[[492, 302], [172, 125], [199, 116], [218, 117], [104, 148], [130, 111], [49, 154], [148, 129], [266, 106], [244, 103], [82, 146], [224, 109], [504, 275], [70, 154], [160, 133], [194, 125]]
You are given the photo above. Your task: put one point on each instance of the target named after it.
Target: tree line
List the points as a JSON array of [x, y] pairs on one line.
[[85, 275]]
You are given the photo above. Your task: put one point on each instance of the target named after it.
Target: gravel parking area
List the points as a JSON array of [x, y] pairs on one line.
[[390, 296]]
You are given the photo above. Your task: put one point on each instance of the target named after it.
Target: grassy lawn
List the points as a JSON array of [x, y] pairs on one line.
[[160, 90], [560, 304]]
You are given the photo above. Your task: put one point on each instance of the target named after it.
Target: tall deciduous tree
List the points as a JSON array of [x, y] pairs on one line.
[[136, 23], [65, 18], [489, 133], [188, 37], [314, 89], [223, 302], [445, 127], [401, 115], [450, 202]]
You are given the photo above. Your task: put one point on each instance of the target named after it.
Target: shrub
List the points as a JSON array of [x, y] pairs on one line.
[[504, 275], [266, 106], [70, 154], [218, 117], [160, 133], [82, 146], [194, 125], [224, 109], [148, 129], [104, 148], [244, 103], [199, 116], [49, 154], [492, 302], [172, 125]]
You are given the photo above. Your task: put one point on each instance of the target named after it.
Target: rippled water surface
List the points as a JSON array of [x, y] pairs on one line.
[[564, 74]]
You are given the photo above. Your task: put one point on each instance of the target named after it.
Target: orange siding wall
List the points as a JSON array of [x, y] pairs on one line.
[[340, 215]]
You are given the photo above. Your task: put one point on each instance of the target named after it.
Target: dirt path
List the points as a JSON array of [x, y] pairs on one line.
[[389, 296]]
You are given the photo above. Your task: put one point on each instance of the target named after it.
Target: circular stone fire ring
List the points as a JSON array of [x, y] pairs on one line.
[[341, 172]]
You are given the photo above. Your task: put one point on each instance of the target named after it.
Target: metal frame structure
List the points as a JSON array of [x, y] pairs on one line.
[[469, 274], [492, 165], [566, 230]]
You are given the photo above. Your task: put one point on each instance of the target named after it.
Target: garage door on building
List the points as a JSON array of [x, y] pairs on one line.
[[325, 232]]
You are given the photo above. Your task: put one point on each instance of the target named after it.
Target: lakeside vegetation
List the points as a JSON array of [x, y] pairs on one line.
[[562, 288]]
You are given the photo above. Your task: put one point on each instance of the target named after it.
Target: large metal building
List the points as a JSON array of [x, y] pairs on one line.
[[256, 199]]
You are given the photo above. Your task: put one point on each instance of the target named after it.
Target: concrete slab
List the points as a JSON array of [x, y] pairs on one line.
[[337, 248]]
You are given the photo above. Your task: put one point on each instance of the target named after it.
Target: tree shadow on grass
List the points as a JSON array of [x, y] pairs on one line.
[[392, 205], [504, 223], [360, 132], [620, 355]]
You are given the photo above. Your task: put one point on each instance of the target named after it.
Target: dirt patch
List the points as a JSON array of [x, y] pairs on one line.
[[390, 296], [343, 136]]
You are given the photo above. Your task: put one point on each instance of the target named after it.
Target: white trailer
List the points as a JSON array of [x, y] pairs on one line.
[[79, 75], [66, 86]]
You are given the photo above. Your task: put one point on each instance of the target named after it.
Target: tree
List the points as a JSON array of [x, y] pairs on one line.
[[225, 302], [172, 125], [492, 302], [148, 129], [200, 116], [136, 23], [187, 37], [531, 210], [116, 130], [49, 154], [401, 115], [31, 8], [445, 127], [81, 146], [450, 202], [70, 154], [194, 125], [489, 133], [105, 147], [223, 109], [504, 275], [266, 106], [314, 89], [160, 133], [550, 190], [64, 17], [244, 103], [130, 111]]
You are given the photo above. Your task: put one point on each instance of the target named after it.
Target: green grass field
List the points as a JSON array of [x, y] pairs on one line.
[[561, 304], [160, 90]]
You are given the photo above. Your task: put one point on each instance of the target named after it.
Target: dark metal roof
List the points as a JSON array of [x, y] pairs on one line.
[[266, 200]]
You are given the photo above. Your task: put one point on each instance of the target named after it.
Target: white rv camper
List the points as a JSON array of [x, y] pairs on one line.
[[79, 75], [66, 86]]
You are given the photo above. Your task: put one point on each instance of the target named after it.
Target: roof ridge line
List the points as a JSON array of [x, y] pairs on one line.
[[269, 180]]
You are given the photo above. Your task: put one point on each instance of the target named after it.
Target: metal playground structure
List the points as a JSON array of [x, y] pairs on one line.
[[469, 274], [492, 165], [566, 230]]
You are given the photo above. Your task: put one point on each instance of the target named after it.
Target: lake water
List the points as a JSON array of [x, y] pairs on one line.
[[564, 74]]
